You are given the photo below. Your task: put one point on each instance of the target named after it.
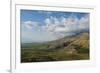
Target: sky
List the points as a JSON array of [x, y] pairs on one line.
[[43, 26]]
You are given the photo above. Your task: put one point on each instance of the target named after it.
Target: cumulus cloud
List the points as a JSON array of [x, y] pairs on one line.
[[84, 22], [61, 27], [31, 25]]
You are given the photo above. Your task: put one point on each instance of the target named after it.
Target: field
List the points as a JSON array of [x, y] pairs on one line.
[[67, 48]]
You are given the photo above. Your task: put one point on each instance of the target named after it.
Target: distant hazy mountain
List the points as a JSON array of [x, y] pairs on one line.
[[79, 40]]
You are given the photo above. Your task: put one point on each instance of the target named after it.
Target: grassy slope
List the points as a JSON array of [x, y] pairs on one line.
[[75, 48]]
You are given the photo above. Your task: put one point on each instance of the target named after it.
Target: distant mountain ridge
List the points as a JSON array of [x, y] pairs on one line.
[[81, 39]]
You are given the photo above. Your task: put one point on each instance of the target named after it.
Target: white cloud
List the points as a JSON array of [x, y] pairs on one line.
[[33, 32], [48, 21], [30, 24], [66, 26], [54, 28], [84, 22]]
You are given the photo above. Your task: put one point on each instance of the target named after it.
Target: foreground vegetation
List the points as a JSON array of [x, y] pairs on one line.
[[74, 48]]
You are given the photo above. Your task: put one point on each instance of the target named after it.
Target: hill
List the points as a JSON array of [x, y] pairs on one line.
[[68, 48]]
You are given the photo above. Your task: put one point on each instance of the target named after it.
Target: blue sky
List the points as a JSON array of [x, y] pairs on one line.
[[41, 26]]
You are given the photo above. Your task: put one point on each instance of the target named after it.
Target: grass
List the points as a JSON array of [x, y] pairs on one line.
[[76, 48], [33, 55]]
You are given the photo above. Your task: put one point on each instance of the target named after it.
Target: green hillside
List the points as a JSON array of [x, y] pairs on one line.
[[67, 48]]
